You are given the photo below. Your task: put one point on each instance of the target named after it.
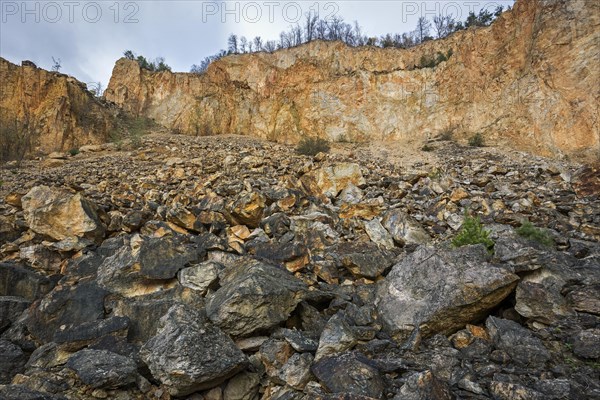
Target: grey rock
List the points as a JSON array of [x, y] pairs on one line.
[[441, 290], [296, 371], [424, 386], [11, 307], [189, 353], [336, 338], [243, 386], [517, 341], [103, 369], [12, 361], [254, 297], [363, 259], [349, 373], [200, 277], [586, 343], [378, 234], [21, 392], [404, 229], [513, 391], [82, 335], [18, 281]]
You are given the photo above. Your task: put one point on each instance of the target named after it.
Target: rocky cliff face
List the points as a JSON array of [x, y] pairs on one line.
[[48, 111], [529, 81]]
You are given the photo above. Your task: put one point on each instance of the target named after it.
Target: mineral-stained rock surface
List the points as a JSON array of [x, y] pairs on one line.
[[214, 269], [529, 81]]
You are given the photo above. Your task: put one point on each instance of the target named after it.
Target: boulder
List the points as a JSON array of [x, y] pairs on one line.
[[424, 386], [254, 297], [103, 369], [586, 343], [200, 277], [11, 307], [247, 209], [363, 259], [146, 264], [437, 290], [61, 215], [518, 342], [404, 229], [189, 353], [19, 281], [378, 234], [82, 335], [12, 361], [350, 373], [330, 181]]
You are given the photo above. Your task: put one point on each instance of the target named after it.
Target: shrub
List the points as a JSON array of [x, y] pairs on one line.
[[529, 231], [74, 151], [446, 135], [476, 140], [312, 146], [427, 148], [472, 232]]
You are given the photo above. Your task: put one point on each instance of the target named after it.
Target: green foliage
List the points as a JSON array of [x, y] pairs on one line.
[[476, 140], [529, 231], [74, 151], [157, 65], [434, 61], [427, 148], [312, 146], [472, 232]]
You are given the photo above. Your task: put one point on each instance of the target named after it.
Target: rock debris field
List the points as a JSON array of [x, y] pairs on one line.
[[233, 268]]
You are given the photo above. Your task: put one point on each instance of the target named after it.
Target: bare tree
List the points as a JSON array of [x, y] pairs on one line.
[[96, 88], [243, 44], [56, 64], [310, 26], [258, 44], [270, 46], [232, 44], [443, 25], [423, 28]]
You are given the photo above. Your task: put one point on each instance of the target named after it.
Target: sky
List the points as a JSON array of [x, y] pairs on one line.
[[89, 36]]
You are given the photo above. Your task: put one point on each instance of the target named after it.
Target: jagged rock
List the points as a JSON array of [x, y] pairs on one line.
[[189, 354], [145, 265], [336, 338], [200, 277], [378, 234], [273, 354], [11, 307], [67, 305], [83, 335], [21, 392], [23, 282], [61, 215], [247, 209], [243, 386], [12, 361], [255, 297], [424, 386], [349, 373], [296, 371], [513, 391], [586, 343], [329, 181], [404, 229], [439, 290], [103, 369], [518, 342], [363, 259]]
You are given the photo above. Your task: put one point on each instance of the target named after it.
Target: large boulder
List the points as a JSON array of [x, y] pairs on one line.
[[61, 215], [189, 353], [146, 264], [12, 361], [247, 209], [438, 290], [16, 280], [103, 369], [518, 342], [254, 297], [330, 181]]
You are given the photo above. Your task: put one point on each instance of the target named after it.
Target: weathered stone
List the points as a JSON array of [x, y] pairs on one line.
[[586, 343], [243, 386], [103, 369], [21, 392], [424, 386], [296, 371], [82, 335], [513, 391], [11, 307], [189, 354], [247, 209], [61, 215], [12, 361], [404, 229], [363, 259], [336, 338], [349, 373], [145, 265], [441, 290], [256, 297], [518, 342], [378, 234], [200, 277], [23, 282], [329, 181]]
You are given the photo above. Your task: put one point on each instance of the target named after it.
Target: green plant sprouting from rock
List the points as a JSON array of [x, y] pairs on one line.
[[531, 232], [472, 232]]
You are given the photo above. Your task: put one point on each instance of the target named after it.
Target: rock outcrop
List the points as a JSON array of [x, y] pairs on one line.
[[48, 111], [529, 81]]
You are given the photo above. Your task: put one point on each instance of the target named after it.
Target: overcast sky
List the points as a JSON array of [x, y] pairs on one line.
[[89, 36]]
